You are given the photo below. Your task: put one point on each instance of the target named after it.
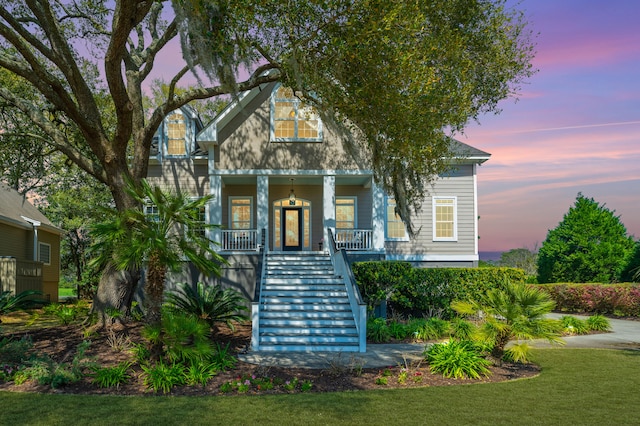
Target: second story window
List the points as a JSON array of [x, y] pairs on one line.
[[292, 120], [176, 133]]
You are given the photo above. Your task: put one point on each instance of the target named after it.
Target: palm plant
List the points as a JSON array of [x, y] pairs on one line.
[[210, 303], [515, 312], [162, 241]]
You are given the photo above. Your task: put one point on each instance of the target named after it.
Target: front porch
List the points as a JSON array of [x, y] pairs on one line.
[[292, 212]]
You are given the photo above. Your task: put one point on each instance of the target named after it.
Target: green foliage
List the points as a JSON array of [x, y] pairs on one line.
[[398, 330], [377, 330], [132, 239], [521, 258], [614, 299], [573, 325], [516, 312], [631, 272], [210, 303], [46, 371], [185, 337], [22, 300], [457, 359], [462, 329], [378, 280], [426, 291], [108, 377], [222, 358], [598, 323], [163, 377], [200, 372], [430, 329], [589, 245]]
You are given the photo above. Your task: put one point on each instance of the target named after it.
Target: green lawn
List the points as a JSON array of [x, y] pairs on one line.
[[67, 292], [577, 386]]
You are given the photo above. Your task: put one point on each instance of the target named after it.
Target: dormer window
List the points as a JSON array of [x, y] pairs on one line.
[[176, 135], [292, 120]]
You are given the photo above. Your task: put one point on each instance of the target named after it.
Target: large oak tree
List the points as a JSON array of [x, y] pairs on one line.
[[401, 76]]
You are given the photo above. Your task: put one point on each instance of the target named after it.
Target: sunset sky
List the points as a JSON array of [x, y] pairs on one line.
[[575, 128]]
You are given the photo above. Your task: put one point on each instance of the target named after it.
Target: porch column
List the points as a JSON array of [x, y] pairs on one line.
[[262, 206], [377, 217], [215, 206], [328, 205]]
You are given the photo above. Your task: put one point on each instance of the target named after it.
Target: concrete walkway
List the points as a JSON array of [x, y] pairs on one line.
[[625, 335]]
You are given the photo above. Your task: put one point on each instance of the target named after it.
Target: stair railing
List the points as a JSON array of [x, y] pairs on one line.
[[257, 296], [358, 307]]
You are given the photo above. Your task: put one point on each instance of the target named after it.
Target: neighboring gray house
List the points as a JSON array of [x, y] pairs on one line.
[[29, 247], [283, 186]]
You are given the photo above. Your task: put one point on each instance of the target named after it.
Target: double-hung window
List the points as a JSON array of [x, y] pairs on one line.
[[240, 212], [292, 120], [395, 227], [445, 219], [346, 213], [176, 135]]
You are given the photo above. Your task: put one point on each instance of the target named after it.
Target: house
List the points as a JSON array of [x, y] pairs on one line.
[[29, 247], [292, 202]]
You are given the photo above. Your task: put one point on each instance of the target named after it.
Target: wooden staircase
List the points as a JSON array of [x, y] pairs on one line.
[[304, 306]]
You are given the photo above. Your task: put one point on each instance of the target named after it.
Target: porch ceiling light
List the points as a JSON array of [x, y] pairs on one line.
[[292, 195]]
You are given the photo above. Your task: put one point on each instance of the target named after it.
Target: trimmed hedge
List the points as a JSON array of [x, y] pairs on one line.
[[605, 299], [419, 291]]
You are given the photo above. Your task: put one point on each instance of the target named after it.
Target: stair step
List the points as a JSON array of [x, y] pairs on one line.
[[308, 331], [305, 292], [303, 281], [306, 314], [302, 287], [307, 339], [270, 299], [306, 307], [309, 323], [309, 348]]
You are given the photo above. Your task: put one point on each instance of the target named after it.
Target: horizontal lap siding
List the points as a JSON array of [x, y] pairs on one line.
[[245, 145], [15, 242], [459, 184], [364, 202], [180, 174]]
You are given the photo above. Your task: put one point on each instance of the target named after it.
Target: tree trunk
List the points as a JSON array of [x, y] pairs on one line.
[[112, 302], [154, 294]]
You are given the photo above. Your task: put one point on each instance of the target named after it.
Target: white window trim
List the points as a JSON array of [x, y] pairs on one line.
[[455, 218], [272, 121], [40, 244], [355, 209], [251, 210], [386, 223]]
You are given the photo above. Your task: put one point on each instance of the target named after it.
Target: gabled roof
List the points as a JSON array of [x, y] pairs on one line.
[[467, 152], [16, 210], [209, 134]]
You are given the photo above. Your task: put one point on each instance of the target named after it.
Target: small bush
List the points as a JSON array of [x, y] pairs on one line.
[[604, 299], [598, 323], [378, 331], [462, 329], [108, 377], [162, 376], [200, 372], [457, 359], [398, 330], [573, 325], [429, 329]]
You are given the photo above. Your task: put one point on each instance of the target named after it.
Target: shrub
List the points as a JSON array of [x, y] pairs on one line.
[[108, 377], [605, 299], [162, 376], [462, 329], [417, 291], [432, 329], [209, 303], [200, 372], [378, 331], [598, 323], [457, 359], [398, 330], [573, 325]]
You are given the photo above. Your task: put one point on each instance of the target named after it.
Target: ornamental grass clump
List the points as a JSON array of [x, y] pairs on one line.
[[457, 359]]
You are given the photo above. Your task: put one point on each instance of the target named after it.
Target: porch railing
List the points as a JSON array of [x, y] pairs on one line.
[[354, 239], [240, 239]]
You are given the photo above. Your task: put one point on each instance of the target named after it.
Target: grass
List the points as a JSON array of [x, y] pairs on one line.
[[67, 292], [576, 386]]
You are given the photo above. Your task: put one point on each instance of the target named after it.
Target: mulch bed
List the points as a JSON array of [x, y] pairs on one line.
[[60, 343]]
